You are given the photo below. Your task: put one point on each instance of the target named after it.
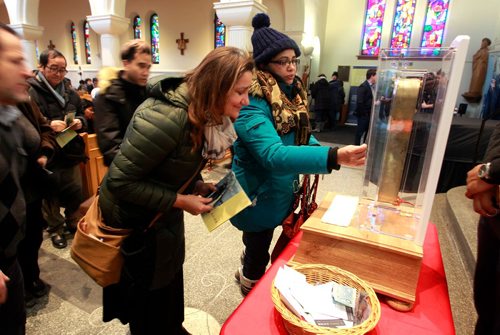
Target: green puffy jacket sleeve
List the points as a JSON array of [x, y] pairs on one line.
[[152, 135]]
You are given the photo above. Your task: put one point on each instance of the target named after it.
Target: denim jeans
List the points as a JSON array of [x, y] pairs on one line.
[[362, 129], [256, 253]]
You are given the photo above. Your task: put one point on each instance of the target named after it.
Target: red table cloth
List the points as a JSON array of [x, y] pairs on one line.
[[431, 314]]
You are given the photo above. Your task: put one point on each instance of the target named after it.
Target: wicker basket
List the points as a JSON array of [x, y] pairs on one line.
[[318, 274]]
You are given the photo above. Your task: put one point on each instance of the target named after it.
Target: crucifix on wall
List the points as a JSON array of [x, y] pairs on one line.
[[51, 46], [181, 43]]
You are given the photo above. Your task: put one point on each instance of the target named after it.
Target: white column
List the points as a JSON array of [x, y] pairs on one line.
[[110, 27], [29, 34], [23, 17], [237, 16]]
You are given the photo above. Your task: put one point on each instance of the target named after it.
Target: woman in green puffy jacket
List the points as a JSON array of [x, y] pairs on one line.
[[164, 146], [274, 146]]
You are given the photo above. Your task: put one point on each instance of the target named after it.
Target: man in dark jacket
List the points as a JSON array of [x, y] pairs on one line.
[[482, 187], [14, 149], [364, 105], [337, 92], [323, 102], [34, 184], [120, 93], [62, 107]]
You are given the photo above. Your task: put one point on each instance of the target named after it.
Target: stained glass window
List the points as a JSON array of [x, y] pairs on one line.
[[435, 21], [155, 39], [403, 24], [220, 32], [137, 27], [73, 41], [372, 32], [86, 36], [37, 50]]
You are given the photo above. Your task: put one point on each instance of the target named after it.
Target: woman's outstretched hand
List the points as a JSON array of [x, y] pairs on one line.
[[352, 155], [193, 204]]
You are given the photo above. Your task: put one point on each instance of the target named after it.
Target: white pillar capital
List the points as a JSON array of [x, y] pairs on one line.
[[108, 24], [28, 31], [104, 7], [29, 35], [22, 11], [237, 15]]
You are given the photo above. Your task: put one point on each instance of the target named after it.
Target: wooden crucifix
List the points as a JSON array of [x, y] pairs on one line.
[[51, 46], [181, 43]]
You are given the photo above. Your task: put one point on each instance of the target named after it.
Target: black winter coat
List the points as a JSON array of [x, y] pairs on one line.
[[323, 99], [114, 107], [364, 100], [74, 152]]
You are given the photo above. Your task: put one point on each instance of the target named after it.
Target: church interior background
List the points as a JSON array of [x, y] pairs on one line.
[[330, 32]]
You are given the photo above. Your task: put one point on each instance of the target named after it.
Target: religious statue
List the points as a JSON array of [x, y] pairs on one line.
[[479, 67]]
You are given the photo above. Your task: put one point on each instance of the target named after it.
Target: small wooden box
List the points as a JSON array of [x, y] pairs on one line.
[[390, 265]]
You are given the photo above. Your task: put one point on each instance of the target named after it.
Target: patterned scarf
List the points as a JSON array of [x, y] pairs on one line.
[[218, 138], [288, 115]]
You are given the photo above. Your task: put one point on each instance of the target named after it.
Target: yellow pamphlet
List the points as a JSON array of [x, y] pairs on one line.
[[228, 200]]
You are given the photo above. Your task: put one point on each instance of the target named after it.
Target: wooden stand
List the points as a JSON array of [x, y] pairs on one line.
[[390, 265]]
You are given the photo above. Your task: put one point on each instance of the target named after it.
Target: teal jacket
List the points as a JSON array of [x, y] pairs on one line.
[[268, 165]]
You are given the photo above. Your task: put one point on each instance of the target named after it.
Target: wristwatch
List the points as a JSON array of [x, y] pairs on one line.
[[484, 171]]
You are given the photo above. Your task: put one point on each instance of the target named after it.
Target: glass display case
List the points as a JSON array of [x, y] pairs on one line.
[[413, 105]]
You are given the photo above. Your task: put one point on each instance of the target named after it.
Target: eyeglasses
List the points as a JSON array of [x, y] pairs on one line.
[[55, 69], [285, 62]]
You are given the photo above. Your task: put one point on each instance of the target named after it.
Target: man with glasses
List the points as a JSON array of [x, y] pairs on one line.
[[62, 107]]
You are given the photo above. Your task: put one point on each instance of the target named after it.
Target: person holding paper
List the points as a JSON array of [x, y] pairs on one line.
[[62, 107], [274, 146], [183, 123]]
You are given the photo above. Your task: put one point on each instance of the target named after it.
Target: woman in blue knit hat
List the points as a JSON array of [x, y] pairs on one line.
[[274, 146]]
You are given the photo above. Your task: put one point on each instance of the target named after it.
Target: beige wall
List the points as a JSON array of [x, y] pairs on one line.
[[192, 17]]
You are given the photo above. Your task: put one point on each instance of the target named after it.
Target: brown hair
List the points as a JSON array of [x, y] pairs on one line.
[[133, 47], [370, 73], [8, 30], [210, 82]]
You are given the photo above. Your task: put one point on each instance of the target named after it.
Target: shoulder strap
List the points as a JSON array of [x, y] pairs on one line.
[[180, 190]]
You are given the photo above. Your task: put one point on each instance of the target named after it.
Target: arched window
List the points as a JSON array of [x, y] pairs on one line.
[[155, 39], [37, 50], [403, 24], [435, 22], [372, 31], [86, 37], [73, 41], [220, 33], [137, 27]]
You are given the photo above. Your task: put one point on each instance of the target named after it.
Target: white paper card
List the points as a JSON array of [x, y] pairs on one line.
[[341, 210]]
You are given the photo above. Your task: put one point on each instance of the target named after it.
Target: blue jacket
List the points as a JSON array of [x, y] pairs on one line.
[[267, 166]]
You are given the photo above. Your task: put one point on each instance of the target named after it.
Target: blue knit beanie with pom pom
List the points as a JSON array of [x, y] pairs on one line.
[[268, 42]]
